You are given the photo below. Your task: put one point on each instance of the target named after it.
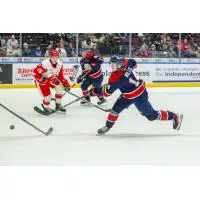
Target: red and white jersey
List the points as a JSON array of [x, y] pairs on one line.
[[47, 69]]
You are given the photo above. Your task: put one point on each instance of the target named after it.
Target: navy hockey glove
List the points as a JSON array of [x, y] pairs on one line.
[[80, 79], [131, 65]]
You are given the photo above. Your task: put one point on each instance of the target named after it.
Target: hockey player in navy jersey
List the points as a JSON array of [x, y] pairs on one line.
[[91, 74], [133, 91]]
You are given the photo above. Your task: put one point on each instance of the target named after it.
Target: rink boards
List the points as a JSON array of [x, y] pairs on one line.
[[19, 75]]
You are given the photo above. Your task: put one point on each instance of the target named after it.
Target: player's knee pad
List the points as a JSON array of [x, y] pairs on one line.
[[117, 108], [114, 112], [152, 117], [120, 105]]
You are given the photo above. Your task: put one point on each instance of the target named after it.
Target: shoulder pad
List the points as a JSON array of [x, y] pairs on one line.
[[39, 65], [115, 76], [126, 62], [132, 62], [45, 62], [40, 69]]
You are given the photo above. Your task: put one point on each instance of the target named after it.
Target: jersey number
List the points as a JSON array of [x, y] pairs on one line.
[[137, 79]]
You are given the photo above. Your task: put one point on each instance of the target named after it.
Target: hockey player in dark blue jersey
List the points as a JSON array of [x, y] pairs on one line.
[[133, 91], [91, 75]]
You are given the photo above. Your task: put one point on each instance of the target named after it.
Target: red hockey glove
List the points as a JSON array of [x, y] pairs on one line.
[[53, 80], [66, 85]]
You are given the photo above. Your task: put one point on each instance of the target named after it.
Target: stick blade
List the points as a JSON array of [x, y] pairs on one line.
[[50, 130]]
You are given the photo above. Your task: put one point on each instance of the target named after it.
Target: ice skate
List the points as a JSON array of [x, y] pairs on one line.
[[85, 101], [101, 101], [177, 120], [103, 130], [60, 108]]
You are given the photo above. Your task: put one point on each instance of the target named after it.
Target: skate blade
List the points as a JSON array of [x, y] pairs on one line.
[[102, 104], [100, 134], [88, 104], [181, 118]]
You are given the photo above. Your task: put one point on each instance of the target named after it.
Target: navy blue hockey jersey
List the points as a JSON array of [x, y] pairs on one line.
[[126, 80], [91, 65]]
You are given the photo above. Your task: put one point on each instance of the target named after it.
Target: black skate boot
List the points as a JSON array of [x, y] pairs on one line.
[[60, 108], [177, 120], [103, 130], [101, 101], [85, 101]]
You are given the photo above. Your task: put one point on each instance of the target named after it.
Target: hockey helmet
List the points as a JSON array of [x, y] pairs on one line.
[[54, 53], [117, 59]]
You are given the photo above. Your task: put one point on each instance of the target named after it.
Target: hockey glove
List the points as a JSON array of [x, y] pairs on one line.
[[53, 81], [66, 85], [80, 79]]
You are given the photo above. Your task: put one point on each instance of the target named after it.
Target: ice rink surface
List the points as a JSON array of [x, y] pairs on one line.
[[132, 141]]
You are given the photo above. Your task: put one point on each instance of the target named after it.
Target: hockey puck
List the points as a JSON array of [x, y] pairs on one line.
[[12, 126]]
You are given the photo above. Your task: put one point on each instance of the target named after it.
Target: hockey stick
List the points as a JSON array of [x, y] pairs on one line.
[[105, 110], [50, 130], [37, 109], [54, 111], [53, 99], [74, 76], [79, 98], [74, 101]]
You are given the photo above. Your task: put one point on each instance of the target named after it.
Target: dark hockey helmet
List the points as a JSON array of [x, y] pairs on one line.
[[117, 59], [84, 49], [116, 63]]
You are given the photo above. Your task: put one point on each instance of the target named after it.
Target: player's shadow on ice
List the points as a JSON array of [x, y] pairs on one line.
[[17, 138], [139, 135]]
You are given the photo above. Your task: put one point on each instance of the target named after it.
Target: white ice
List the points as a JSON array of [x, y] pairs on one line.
[[132, 141]]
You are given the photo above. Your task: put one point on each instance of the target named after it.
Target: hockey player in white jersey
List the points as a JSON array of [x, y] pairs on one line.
[[49, 75]]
